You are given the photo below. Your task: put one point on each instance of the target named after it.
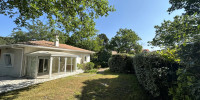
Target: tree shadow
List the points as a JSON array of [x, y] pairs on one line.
[[123, 87], [18, 88]]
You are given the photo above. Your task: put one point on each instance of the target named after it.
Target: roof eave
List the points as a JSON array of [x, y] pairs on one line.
[[34, 46]]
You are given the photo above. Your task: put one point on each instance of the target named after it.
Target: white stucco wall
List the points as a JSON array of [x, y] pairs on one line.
[[16, 59], [16, 71], [80, 55]]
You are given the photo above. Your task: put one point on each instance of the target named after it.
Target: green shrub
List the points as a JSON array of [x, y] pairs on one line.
[[155, 73], [80, 66], [170, 54], [121, 63], [101, 58], [86, 66], [187, 86], [98, 66]]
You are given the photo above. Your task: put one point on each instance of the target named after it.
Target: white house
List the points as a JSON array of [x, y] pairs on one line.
[[35, 58]]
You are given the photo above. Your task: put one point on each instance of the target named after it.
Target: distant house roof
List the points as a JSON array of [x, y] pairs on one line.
[[51, 44], [114, 52], [145, 50]]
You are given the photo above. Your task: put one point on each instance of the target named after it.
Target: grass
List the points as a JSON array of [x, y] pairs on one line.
[[86, 86]]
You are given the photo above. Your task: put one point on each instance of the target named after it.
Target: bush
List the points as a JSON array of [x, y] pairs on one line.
[[188, 84], [98, 66], [121, 63], [155, 73], [80, 66], [101, 58], [86, 66]]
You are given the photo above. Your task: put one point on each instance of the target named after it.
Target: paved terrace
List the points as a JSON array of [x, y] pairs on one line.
[[10, 83]]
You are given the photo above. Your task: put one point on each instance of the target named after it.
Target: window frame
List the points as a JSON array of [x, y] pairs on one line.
[[11, 57], [85, 58]]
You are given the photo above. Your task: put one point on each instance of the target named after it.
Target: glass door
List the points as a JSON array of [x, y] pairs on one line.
[[43, 65]]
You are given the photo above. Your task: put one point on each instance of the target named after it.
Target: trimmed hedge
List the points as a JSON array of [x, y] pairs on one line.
[[121, 63], [155, 73]]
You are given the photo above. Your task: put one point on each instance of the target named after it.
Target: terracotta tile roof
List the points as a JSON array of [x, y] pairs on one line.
[[114, 52], [51, 44]]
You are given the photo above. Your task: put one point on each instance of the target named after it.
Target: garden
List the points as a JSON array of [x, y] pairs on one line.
[[168, 73]]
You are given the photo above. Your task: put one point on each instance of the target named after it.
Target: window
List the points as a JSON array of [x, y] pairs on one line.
[[85, 58], [8, 59]]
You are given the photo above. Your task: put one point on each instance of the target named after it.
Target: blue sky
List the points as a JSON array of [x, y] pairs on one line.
[[139, 15]]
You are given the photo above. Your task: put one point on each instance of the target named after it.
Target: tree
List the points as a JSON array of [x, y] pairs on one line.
[[105, 39], [138, 49], [86, 41], [103, 54], [182, 30], [6, 40], [105, 42], [190, 6], [103, 57], [38, 31], [71, 15], [124, 41]]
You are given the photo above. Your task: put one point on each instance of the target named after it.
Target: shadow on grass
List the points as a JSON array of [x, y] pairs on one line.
[[16, 93], [123, 87]]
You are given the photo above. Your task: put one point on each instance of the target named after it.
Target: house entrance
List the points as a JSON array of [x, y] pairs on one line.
[[43, 66]]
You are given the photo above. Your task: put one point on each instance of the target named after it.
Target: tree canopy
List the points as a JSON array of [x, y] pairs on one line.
[[125, 40], [86, 42], [71, 15], [182, 30], [6, 40], [190, 6], [105, 39], [38, 31]]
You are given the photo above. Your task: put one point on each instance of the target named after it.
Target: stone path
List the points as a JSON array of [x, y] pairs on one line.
[[9, 83], [101, 70]]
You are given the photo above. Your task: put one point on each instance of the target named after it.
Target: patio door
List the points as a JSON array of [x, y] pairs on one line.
[[43, 65]]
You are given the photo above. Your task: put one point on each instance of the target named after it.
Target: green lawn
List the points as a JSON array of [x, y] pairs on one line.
[[86, 86]]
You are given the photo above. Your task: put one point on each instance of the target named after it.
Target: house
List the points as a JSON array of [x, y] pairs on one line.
[[114, 52], [145, 50], [35, 58]]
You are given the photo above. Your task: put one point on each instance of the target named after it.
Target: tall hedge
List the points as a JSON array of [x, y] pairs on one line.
[[188, 82], [121, 63], [155, 73]]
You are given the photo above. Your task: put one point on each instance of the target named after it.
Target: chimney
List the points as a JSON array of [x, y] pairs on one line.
[[56, 42]]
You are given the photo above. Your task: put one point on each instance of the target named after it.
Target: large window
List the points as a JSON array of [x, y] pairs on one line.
[[8, 60]]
